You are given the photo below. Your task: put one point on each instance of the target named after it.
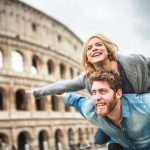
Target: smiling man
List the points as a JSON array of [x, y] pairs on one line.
[[125, 118]]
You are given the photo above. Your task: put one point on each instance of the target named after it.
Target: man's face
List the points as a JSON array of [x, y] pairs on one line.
[[104, 98]]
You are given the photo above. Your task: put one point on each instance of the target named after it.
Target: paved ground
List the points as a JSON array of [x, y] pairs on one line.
[[100, 148], [96, 148]]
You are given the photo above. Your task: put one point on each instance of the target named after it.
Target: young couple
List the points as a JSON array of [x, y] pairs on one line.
[[101, 53]]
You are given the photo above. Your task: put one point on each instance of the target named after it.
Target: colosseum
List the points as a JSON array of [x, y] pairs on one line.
[[36, 50]]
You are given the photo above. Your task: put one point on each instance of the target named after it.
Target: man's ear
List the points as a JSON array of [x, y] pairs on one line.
[[119, 94]]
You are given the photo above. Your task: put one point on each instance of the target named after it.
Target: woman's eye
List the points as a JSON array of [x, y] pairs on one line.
[[93, 92], [98, 44], [89, 48]]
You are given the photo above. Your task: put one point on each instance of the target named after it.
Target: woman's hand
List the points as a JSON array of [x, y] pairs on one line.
[[29, 91], [63, 95]]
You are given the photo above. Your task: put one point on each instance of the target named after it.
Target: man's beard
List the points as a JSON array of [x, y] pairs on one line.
[[107, 108]]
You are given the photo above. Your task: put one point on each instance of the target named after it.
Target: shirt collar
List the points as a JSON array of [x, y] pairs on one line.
[[125, 107]]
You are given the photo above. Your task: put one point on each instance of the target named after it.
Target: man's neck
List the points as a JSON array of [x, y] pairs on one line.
[[115, 115]]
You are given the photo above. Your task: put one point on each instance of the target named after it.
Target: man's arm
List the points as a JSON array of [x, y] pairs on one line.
[[82, 104]]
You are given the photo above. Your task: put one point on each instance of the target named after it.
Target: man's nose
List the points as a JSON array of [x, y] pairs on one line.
[[97, 97]]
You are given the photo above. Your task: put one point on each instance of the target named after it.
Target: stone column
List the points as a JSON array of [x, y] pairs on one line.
[[52, 139], [65, 141], [45, 144]]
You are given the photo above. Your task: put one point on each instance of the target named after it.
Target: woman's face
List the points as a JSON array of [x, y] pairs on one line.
[[96, 51]]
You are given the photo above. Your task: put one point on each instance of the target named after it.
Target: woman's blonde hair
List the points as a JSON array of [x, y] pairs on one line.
[[110, 46]]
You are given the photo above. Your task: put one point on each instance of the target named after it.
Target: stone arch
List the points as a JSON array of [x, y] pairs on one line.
[[50, 66], [62, 71], [3, 141], [3, 17], [87, 134], [17, 61], [24, 140], [34, 26], [1, 58], [58, 139], [2, 99], [71, 138], [41, 103], [92, 130], [80, 136], [35, 64], [59, 38], [67, 108], [71, 73], [43, 140], [20, 100], [54, 103]]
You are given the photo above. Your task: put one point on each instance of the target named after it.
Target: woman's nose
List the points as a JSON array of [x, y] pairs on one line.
[[94, 48]]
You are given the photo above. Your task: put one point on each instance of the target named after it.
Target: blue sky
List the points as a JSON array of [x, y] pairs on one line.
[[127, 22]]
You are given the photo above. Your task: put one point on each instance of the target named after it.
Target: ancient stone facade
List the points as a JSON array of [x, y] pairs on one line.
[[37, 50]]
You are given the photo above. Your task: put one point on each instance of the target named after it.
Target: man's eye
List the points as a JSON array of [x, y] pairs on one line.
[[102, 92]]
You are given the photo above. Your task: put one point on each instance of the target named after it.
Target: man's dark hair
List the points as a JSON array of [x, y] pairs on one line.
[[113, 79]]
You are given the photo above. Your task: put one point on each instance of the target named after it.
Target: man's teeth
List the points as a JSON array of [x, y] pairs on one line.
[[100, 105]]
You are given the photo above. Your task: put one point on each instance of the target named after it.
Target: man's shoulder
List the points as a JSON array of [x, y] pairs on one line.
[[137, 98], [135, 95], [137, 103]]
